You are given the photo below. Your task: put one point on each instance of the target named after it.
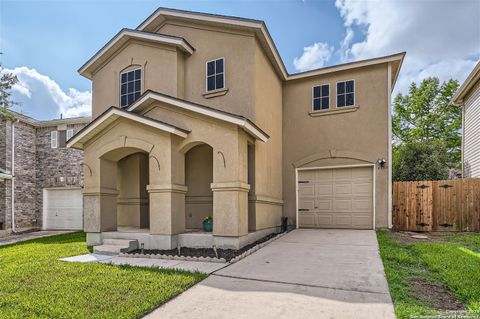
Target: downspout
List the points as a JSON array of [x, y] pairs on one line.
[[13, 175]]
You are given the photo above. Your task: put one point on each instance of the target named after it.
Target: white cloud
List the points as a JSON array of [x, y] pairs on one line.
[[42, 98], [313, 57], [441, 38]]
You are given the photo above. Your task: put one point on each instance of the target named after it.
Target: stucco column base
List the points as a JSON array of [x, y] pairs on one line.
[[230, 209], [167, 209], [100, 210], [94, 239]]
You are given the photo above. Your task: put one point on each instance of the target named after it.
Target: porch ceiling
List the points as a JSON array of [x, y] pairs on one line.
[[149, 96], [111, 115]]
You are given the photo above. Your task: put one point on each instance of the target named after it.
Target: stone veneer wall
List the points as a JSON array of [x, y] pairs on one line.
[[37, 166], [25, 177], [56, 167]]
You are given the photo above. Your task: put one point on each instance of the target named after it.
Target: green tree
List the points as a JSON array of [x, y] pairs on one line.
[[424, 114], [7, 81], [419, 161]]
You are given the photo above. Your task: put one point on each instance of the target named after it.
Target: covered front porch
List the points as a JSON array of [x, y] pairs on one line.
[[155, 182]]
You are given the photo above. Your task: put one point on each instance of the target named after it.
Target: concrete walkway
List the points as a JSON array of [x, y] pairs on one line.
[[305, 274], [16, 238]]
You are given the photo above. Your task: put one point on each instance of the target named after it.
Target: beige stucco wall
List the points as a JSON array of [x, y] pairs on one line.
[[210, 43], [132, 181], [160, 72], [198, 177], [358, 137], [268, 194]]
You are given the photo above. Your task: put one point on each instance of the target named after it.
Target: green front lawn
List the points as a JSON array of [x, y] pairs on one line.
[[426, 278], [34, 284]]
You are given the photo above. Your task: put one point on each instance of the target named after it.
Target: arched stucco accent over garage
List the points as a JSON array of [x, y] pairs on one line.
[[332, 154]]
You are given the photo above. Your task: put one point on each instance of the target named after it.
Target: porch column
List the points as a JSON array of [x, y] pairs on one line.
[[167, 209], [230, 191]]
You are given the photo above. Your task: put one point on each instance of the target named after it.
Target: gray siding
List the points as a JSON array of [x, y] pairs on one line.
[[471, 131]]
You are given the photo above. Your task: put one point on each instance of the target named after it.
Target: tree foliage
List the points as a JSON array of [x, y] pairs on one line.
[[419, 161], [424, 114], [7, 81]]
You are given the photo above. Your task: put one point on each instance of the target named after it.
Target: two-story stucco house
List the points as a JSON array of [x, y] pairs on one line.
[[40, 178], [468, 97], [195, 115]]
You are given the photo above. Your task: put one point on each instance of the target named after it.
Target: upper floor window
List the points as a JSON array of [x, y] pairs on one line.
[[59, 138], [321, 97], [346, 93], [216, 74], [130, 86]]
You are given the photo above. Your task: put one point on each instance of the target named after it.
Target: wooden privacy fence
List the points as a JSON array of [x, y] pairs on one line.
[[451, 205]]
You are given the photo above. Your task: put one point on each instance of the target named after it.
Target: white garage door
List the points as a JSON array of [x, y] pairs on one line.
[[336, 198], [63, 208]]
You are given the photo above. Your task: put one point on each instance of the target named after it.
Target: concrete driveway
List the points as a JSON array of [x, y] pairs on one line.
[[307, 273]]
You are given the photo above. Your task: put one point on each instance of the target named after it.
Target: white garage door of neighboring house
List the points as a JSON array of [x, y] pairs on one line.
[[336, 198], [63, 208]]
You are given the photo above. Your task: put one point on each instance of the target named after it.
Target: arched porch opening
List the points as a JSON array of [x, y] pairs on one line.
[[198, 178], [125, 171]]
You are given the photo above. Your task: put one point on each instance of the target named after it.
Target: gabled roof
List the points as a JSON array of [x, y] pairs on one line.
[[49, 123], [112, 114], [467, 85], [156, 19], [121, 38], [150, 96]]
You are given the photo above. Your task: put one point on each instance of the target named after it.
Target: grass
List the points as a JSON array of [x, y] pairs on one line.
[[453, 263], [34, 284]]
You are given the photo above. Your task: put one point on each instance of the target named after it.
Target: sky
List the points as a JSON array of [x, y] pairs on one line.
[[45, 42]]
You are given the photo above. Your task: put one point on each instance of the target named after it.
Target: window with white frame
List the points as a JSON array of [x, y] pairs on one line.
[[346, 93], [215, 74], [321, 97], [54, 139], [69, 134], [130, 86]]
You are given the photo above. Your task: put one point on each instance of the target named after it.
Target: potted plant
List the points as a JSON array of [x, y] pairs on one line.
[[208, 224]]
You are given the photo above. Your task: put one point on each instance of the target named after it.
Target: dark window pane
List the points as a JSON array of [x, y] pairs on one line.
[[340, 87], [123, 101], [131, 98], [219, 81], [137, 85], [324, 90], [138, 74], [340, 100], [124, 89], [211, 68], [325, 103], [316, 104], [349, 100], [62, 138], [211, 83], [316, 91], [137, 95], [130, 87], [130, 76], [219, 66], [124, 77], [349, 88]]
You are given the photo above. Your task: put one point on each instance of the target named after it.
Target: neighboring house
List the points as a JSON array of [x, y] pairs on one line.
[[39, 175], [468, 97], [195, 115]]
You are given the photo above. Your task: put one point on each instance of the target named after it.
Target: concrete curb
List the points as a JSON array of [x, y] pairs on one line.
[[205, 259]]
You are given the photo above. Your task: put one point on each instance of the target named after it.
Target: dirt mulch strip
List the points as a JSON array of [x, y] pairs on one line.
[[406, 237], [435, 295], [228, 254]]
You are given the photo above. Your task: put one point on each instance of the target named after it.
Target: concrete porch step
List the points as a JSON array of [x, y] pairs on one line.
[[115, 246]]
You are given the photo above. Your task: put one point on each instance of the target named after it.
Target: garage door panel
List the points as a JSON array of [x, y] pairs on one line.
[[343, 188], [307, 219], [323, 189], [342, 198], [63, 208], [306, 190]]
